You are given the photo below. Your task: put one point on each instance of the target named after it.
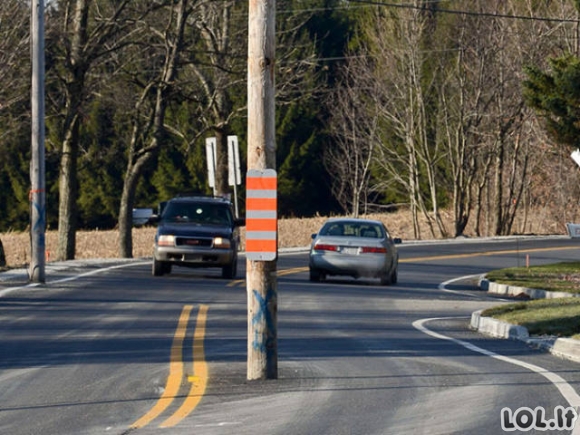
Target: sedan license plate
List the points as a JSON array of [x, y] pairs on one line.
[[349, 251]]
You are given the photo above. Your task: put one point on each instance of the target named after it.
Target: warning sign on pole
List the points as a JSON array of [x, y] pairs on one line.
[[261, 215]]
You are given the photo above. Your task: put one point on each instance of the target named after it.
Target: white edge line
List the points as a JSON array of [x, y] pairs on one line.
[[73, 278], [96, 271], [560, 383], [565, 389], [443, 286], [11, 289]]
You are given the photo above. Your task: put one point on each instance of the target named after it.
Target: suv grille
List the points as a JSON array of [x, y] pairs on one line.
[[191, 241]]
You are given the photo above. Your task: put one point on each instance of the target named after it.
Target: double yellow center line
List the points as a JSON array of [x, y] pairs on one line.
[[200, 371], [176, 372]]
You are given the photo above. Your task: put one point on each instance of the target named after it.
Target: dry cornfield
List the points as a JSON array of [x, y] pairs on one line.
[[292, 232]]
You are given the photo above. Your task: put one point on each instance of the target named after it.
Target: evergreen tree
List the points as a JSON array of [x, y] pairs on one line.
[[101, 167], [304, 185], [555, 95]]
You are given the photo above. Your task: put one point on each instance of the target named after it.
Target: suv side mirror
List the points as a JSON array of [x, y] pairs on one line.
[[240, 222]]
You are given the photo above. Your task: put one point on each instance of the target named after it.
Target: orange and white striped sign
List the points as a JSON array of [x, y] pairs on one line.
[[261, 215]]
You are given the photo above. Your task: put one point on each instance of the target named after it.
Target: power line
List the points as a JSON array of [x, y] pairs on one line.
[[365, 3], [467, 13]]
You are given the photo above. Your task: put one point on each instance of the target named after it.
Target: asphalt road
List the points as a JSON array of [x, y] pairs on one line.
[[116, 351]]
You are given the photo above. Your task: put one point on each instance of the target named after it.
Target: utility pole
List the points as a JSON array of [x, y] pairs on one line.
[[37, 195], [261, 282]]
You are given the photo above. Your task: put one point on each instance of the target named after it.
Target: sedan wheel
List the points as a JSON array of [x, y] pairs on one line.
[[391, 278], [315, 275], [386, 280], [394, 276]]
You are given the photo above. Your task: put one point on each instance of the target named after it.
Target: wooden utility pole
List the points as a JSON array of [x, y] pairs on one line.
[[261, 282], [37, 163]]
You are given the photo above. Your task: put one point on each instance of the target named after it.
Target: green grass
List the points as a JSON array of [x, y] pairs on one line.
[[563, 277], [559, 317]]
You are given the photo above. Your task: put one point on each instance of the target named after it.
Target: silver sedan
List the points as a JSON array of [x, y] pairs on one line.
[[354, 247]]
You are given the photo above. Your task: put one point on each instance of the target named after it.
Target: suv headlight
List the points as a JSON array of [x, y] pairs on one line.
[[166, 240], [222, 243]]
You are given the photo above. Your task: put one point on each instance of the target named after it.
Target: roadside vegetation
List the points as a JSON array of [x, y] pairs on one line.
[[561, 277], [435, 107], [556, 317]]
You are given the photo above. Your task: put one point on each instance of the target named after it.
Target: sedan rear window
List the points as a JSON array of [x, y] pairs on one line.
[[353, 230]]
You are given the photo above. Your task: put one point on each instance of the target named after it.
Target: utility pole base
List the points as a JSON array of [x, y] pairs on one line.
[[262, 320]]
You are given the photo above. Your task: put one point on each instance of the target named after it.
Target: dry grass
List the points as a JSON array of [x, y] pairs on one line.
[[292, 233]]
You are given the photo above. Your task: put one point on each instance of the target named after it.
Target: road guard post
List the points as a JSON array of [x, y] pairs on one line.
[[261, 254], [261, 215]]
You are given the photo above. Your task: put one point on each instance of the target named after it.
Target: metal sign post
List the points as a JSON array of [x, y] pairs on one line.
[[576, 156], [234, 174], [210, 155]]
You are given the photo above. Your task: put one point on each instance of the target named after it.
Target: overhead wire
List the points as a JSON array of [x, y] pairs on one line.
[[469, 13]]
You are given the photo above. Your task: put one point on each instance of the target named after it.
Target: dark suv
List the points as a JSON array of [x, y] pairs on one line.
[[197, 231]]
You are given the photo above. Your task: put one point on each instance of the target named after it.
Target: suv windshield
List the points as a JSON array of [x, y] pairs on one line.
[[193, 212]]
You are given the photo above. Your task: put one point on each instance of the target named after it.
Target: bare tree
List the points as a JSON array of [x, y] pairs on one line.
[[14, 73], [215, 78], [452, 118], [200, 56], [408, 154], [148, 122], [14, 48], [513, 142], [354, 129], [464, 101], [491, 138], [218, 72], [81, 33]]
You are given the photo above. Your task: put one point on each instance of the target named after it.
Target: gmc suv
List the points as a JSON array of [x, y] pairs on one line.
[[197, 231]]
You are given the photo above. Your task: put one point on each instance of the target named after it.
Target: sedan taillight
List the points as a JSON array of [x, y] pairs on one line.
[[323, 247], [372, 250]]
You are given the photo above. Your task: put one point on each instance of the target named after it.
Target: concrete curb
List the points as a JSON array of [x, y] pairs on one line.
[[566, 348], [497, 328], [512, 290]]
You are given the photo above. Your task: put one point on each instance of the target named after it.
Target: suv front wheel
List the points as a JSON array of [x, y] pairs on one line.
[[160, 267], [230, 271]]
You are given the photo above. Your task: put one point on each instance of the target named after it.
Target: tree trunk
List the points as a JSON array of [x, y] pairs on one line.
[[126, 214], [2, 255], [498, 189], [130, 183], [136, 165], [67, 210], [68, 180]]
